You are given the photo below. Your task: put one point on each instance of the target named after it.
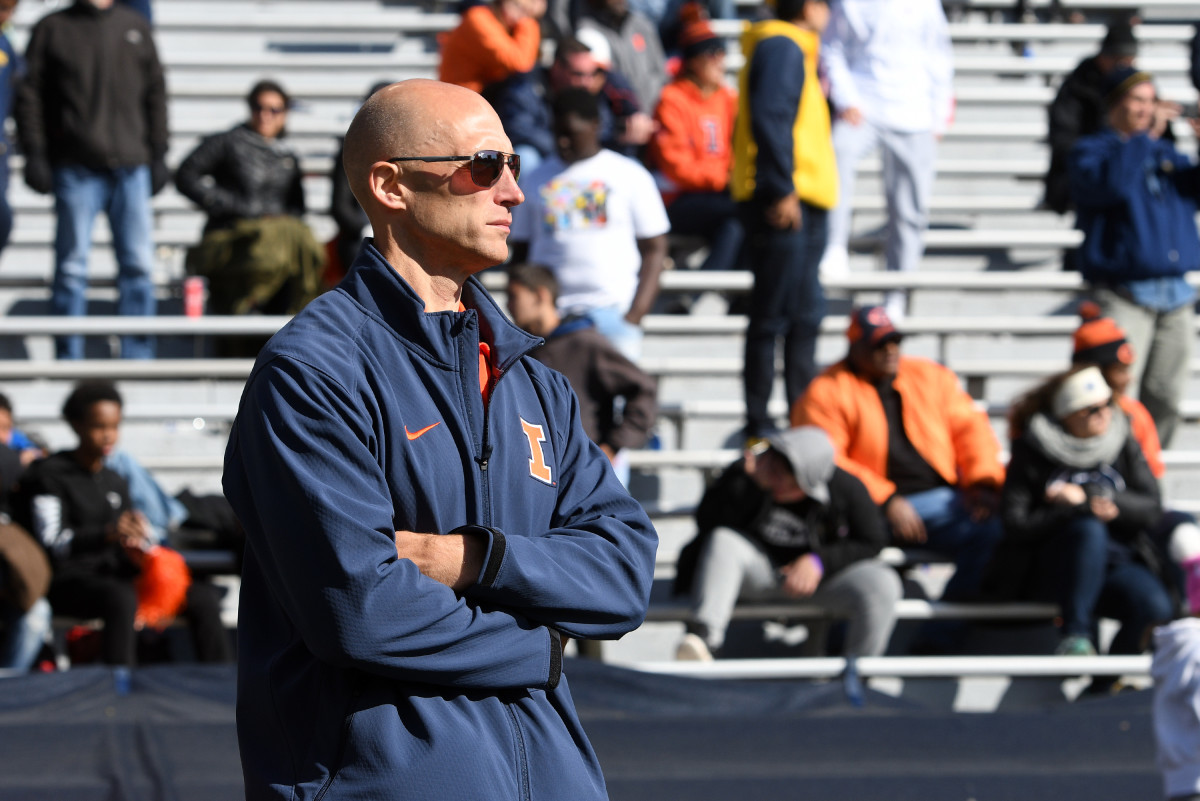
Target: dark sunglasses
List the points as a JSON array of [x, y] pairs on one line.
[[486, 165], [267, 109], [1094, 410]]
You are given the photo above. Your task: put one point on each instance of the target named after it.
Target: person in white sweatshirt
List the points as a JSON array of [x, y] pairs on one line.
[[890, 71], [1176, 672]]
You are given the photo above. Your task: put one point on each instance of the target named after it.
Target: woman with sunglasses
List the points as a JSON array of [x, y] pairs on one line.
[[1078, 503], [256, 252]]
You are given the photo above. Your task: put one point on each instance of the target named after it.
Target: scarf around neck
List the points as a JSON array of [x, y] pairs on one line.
[[1052, 439]]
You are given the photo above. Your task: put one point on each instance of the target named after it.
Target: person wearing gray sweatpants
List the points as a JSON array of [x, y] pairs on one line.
[[786, 523]]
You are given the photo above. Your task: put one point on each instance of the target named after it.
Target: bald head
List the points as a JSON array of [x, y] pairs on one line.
[[417, 117]]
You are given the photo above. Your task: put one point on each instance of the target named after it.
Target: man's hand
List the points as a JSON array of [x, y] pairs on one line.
[[906, 523], [451, 559], [982, 501], [160, 174], [801, 576], [1164, 112], [851, 115], [639, 127], [1105, 509], [784, 214], [1065, 493]]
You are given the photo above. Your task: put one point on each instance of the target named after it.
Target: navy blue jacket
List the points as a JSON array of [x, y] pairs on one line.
[[358, 676], [1136, 202]]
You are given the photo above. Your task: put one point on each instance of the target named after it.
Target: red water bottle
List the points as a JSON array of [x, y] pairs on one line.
[[194, 289]]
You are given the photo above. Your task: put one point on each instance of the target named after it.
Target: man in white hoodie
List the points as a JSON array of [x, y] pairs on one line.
[[890, 71]]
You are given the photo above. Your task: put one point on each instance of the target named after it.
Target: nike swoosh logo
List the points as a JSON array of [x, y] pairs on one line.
[[414, 434]]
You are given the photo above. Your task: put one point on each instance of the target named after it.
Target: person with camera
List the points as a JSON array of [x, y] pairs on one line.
[[1078, 505], [1136, 197]]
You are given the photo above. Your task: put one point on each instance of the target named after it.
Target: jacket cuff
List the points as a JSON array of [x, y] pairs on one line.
[[556, 658], [494, 556]]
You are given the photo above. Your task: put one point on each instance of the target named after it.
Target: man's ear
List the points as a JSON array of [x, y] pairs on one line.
[[384, 184]]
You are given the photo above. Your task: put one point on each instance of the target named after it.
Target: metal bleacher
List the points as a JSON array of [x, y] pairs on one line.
[[991, 299]]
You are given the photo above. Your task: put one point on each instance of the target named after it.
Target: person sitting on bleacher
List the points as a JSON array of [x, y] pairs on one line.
[[80, 511], [257, 253], [1078, 505], [1137, 201], [692, 148], [908, 430], [1101, 343], [492, 41], [24, 578], [786, 523]]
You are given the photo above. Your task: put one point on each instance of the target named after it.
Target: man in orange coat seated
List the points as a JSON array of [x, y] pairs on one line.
[[692, 148], [905, 427], [493, 41]]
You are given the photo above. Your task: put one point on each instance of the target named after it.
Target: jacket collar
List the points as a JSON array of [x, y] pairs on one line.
[[376, 286]]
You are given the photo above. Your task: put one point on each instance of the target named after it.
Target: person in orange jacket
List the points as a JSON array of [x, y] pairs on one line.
[[905, 427], [493, 41], [692, 148]]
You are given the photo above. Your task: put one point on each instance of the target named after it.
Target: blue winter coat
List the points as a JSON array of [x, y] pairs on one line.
[[358, 676], [1136, 201]]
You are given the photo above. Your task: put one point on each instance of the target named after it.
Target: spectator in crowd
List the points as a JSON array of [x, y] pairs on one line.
[[928, 456], [1101, 343], [14, 438], [1078, 506], [624, 126], [1079, 109], [596, 218], [256, 252], [493, 41], [636, 50], [786, 523], [425, 517], [351, 220], [81, 512], [1136, 197], [10, 76], [24, 579], [692, 148], [617, 404], [784, 181], [91, 117], [890, 79]]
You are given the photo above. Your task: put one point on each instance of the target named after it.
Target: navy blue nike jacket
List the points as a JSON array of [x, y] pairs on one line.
[[359, 677]]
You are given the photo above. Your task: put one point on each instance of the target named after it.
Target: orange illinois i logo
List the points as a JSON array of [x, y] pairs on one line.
[[537, 457]]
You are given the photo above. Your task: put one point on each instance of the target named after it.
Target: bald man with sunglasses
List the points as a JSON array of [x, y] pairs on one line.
[[426, 521]]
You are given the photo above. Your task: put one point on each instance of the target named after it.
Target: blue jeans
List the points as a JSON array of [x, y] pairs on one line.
[[1092, 576], [787, 303], [951, 531], [712, 215], [22, 634], [123, 194]]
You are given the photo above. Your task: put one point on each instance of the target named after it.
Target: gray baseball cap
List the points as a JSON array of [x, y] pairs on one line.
[[810, 453]]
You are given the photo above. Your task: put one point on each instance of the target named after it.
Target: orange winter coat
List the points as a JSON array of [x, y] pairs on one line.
[[940, 418], [481, 51], [1141, 425], [693, 146]]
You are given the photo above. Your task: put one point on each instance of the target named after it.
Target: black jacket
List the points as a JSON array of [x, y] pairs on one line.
[[1030, 521], [238, 174], [1077, 111], [93, 92], [846, 530]]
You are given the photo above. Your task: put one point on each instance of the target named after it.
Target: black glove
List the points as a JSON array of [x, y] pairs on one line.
[[159, 175], [38, 175]]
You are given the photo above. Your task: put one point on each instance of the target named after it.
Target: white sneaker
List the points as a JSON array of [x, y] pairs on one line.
[[693, 649], [835, 263]]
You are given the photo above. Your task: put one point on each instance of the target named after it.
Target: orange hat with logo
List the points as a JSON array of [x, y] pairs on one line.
[[871, 326], [1099, 340]]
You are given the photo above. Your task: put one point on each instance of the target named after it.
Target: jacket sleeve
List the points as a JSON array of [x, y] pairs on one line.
[[774, 85], [676, 151], [55, 524], [839, 35], [28, 109], [500, 50], [620, 378], [866, 535], [976, 450], [155, 101], [589, 574], [1027, 516], [1105, 171], [1139, 505], [939, 60], [820, 406], [732, 501], [194, 180], [301, 475]]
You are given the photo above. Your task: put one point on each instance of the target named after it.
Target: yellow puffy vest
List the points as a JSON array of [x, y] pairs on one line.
[[815, 168]]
